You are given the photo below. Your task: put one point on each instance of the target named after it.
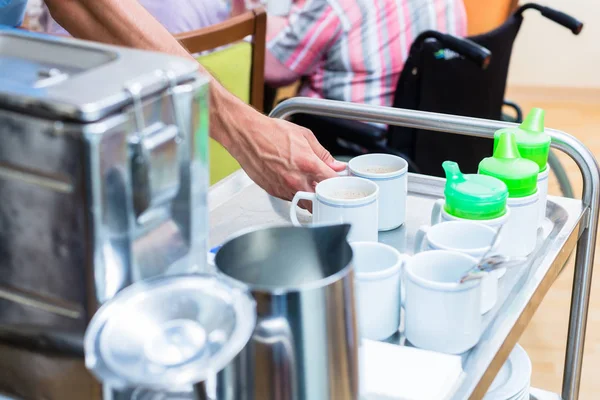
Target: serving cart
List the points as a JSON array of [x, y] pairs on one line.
[[236, 203]]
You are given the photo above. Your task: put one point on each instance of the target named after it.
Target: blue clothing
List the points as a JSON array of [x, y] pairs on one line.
[[12, 12]]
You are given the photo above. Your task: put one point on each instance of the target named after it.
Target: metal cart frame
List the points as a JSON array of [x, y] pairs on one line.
[[586, 240]]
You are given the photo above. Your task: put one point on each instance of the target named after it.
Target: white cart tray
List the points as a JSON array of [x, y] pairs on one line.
[[238, 204]]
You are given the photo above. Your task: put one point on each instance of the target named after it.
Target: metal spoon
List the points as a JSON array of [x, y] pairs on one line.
[[492, 245], [490, 264], [486, 264]]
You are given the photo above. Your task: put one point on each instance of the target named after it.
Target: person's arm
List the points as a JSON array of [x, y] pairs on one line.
[[297, 44], [279, 156]]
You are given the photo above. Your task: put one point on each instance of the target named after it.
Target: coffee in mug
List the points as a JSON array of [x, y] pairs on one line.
[[379, 169], [349, 194]]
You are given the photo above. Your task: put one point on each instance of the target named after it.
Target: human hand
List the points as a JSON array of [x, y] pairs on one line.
[[279, 156], [284, 158]]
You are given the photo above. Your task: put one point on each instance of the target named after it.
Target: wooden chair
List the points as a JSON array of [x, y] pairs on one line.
[[237, 64]]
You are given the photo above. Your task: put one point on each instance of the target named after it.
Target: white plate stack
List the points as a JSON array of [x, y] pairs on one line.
[[514, 379]]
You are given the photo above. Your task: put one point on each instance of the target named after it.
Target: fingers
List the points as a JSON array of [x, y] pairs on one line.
[[322, 152], [307, 205]]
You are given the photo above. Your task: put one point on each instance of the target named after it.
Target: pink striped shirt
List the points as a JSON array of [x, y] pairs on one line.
[[354, 50]]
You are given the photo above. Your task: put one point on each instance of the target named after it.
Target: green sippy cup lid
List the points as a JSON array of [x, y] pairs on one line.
[[519, 174], [472, 196], [532, 141]]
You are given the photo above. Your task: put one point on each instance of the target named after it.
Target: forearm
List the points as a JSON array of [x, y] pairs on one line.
[[109, 22], [76, 19], [230, 119], [122, 22]]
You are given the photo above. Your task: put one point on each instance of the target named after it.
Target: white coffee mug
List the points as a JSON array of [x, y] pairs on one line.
[[441, 314], [439, 214], [378, 278], [519, 235], [542, 185], [467, 237], [390, 173], [349, 200]]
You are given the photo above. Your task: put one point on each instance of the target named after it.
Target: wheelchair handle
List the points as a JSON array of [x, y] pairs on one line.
[[573, 24], [466, 48]]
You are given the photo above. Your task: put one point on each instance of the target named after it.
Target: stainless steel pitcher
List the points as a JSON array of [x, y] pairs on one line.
[[305, 344]]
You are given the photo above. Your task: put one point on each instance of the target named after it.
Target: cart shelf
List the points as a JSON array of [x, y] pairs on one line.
[[236, 203]]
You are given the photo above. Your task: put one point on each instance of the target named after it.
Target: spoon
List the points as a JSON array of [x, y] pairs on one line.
[[486, 264], [492, 245], [490, 264]]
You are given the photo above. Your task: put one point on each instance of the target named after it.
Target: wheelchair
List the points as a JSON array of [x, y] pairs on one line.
[[448, 75]]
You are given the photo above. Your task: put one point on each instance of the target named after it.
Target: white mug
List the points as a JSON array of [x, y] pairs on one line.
[[378, 269], [439, 214], [441, 314], [542, 185], [390, 173], [467, 237], [519, 236], [349, 200]]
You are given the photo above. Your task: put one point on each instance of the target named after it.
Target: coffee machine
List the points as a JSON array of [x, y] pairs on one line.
[[103, 182]]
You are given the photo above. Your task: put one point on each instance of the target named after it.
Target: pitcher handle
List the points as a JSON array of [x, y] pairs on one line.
[[297, 198]]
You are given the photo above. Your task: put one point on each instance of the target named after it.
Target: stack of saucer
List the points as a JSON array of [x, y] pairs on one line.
[[514, 379]]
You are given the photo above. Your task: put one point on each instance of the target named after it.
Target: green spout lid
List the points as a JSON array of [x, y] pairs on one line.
[[532, 141], [472, 196], [519, 174]]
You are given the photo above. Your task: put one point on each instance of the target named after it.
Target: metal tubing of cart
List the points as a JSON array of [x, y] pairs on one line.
[[584, 159]]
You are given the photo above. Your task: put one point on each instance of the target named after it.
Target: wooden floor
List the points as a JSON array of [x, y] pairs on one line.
[[576, 112]]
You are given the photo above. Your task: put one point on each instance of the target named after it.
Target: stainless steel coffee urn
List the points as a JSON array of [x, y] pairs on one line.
[[103, 182]]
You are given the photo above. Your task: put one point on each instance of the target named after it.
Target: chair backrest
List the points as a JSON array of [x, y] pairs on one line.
[[251, 23], [236, 64], [484, 16]]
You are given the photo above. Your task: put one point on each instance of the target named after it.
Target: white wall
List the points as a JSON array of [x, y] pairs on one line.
[[546, 54]]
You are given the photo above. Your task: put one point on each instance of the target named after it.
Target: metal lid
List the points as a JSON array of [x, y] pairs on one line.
[[79, 80], [169, 333]]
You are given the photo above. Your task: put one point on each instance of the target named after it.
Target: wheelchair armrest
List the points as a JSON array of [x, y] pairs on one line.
[[518, 118], [353, 131]]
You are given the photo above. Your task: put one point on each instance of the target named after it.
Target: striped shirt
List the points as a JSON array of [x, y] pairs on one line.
[[354, 50]]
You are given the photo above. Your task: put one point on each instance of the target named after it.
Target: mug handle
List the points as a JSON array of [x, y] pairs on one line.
[[403, 260], [345, 172], [436, 212], [297, 198], [420, 238]]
